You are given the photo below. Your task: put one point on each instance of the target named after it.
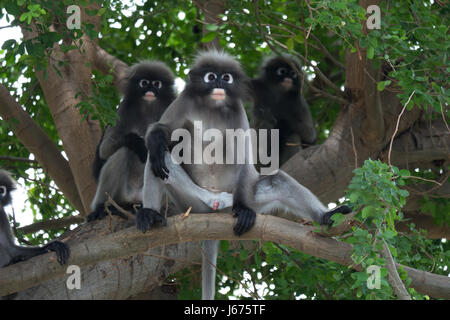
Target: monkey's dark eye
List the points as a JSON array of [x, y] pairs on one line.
[[281, 71], [157, 84], [293, 74], [143, 83], [3, 191], [227, 78], [209, 77]]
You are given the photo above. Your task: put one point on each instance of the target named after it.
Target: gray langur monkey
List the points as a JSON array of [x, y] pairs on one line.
[[121, 153], [279, 104], [213, 95], [11, 253]]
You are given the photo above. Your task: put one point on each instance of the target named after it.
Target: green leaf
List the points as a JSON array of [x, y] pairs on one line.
[[290, 44], [382, 84], [370, 52], [212, 27], [209, 37]]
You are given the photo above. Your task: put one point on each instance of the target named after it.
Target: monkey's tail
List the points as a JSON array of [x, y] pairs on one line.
[[209, 262]]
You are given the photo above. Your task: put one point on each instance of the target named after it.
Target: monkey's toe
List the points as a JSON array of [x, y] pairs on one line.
[[245, 219], [146, 218], [326, 219], [61, 249]]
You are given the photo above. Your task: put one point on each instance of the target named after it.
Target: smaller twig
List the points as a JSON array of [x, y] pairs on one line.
[[394, 279], [17, 159], [119, 208], [443, 118], [396, 127], [354, 148], [184, 216]]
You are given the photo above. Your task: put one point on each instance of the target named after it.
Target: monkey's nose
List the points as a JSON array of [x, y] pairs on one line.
[[218, 94]]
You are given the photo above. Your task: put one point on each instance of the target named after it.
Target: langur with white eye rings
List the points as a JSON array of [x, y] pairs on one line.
[[278, 103], [11, 253], [213, 95], [121, 153]]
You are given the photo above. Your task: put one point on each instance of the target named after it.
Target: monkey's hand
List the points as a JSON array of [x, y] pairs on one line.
[[145, 218], [136, 144], [61, 249], [245, 219], [157, 146], [326, 218]]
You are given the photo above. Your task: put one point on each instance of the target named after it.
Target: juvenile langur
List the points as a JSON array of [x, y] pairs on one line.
[[213, 95], [121, 153], [11, 253], [279, 104]]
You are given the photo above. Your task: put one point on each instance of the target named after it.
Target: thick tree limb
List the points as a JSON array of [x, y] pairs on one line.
[[38, 143], [107, 64], [197, 227]]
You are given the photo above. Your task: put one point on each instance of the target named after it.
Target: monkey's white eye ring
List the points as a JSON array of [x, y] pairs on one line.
[[227, 78], [209, 77], [3, 191], [157, 84], [143, 83], [293, 74], [281, 71]]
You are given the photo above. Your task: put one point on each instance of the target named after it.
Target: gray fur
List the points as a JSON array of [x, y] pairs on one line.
[[249, 189]]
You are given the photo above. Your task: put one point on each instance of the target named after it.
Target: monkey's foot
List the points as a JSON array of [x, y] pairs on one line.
[[145, 218], [61, 249], [97, 214], [326, 218], [218, 201], [245, 219]]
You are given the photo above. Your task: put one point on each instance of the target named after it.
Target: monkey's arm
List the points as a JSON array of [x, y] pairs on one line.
[[113, 139], [157, 138], [19, 253]]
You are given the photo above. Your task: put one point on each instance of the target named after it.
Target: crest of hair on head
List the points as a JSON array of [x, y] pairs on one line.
[[153, 65], [283, 56], [216, 58]]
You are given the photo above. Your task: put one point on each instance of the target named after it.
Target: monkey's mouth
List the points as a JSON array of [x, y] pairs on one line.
[[218, 94], [287, 83], [149, 96]]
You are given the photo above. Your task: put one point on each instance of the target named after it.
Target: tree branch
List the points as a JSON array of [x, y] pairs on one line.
[[43, 148], [196, 227]]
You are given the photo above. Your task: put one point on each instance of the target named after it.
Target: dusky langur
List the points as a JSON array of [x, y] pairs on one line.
[[213, 95], [11, 253], [121, 153], [279, 104]]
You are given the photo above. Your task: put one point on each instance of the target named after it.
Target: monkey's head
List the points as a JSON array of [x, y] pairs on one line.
[[216, 76], [7, 185], [282, 72], [150, 80]]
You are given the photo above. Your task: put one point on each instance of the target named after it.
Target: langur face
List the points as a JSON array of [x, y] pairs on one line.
[[149, 88], [280, 73], [217, 78], [150, 82]]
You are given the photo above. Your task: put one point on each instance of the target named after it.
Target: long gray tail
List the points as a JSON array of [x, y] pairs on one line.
[[209, 261]]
